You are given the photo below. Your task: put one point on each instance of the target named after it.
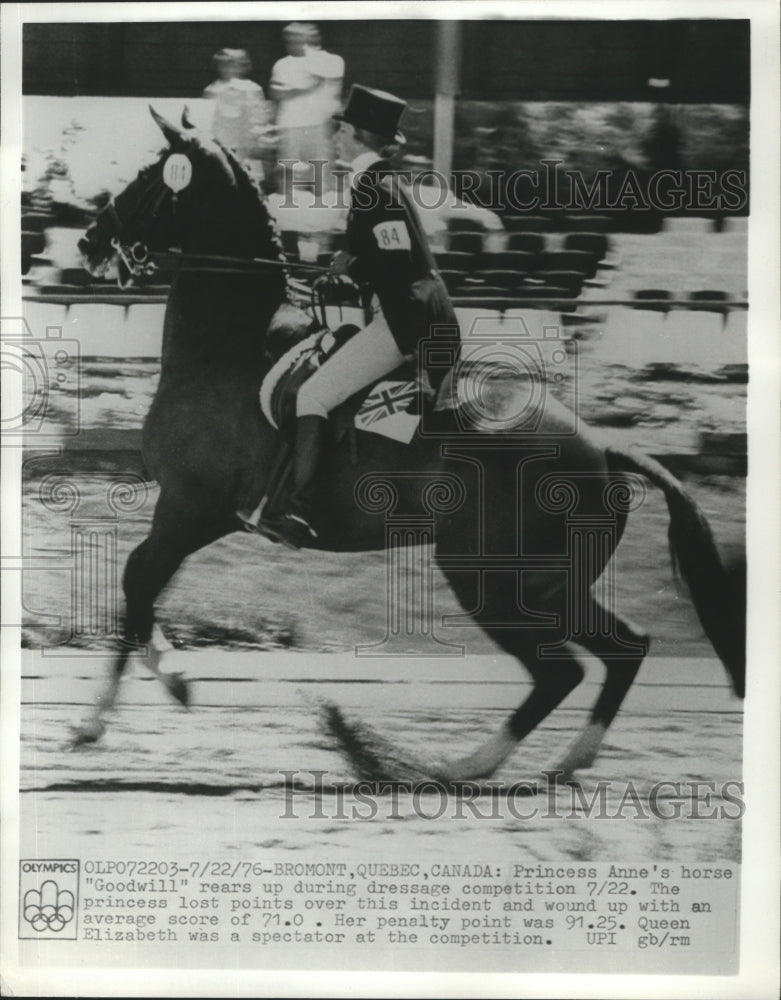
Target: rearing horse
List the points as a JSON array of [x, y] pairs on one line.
[[505, 499]]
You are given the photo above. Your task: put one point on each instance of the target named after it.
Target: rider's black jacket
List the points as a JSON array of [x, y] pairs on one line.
[[392, 256]]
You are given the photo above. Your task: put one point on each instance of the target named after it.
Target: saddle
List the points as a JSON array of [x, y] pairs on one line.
[[391, 406]]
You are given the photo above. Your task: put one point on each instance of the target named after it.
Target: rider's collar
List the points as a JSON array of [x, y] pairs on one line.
[[362, 162]]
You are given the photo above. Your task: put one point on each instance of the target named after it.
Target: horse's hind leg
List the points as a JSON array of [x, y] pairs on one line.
[[622, 647], [490, 602], [554, 678]]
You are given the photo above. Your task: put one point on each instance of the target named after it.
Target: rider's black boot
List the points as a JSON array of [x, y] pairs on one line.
[[293, 528]]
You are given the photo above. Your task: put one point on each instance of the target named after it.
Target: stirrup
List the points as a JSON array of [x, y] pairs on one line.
[[250, 517], [290, 530]]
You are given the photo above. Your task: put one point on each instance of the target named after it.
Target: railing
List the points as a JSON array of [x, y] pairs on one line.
[[498, 303]]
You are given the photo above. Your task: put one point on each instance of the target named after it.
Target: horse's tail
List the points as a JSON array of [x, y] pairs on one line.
[[718, 601]]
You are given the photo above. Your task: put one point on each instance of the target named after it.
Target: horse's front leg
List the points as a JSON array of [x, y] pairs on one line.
[[94, 726], [149, 568]]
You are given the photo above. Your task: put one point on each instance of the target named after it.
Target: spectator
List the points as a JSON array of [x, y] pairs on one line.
[[307, 86], [240, 112]]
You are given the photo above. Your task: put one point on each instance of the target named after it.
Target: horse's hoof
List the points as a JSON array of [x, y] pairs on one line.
[[178, 688], [459, 772], [82, 735], [441, 771], [561, 774]]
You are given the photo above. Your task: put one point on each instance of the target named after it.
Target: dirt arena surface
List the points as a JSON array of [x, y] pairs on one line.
[[214, 780]]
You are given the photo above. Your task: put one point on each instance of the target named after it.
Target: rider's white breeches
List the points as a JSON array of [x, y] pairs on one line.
[[369, 355]]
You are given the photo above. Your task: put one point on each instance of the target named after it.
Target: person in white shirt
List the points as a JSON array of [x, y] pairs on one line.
[[241, 114], [307, 86]]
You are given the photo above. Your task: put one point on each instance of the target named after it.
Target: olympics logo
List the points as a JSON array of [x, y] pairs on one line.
[[48, 908]]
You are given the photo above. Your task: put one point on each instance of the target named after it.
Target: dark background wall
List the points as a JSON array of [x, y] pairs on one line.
[[707, 61]]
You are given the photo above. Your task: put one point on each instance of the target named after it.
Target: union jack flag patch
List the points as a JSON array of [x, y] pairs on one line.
[[385, 411]]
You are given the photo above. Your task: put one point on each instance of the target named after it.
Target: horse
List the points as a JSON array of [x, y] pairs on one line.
[[525, 521]]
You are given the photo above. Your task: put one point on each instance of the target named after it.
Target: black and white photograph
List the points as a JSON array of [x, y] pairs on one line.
[[390, 448]]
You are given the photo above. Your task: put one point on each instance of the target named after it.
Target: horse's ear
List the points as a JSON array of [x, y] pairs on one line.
[[171, 132], [187, 121]]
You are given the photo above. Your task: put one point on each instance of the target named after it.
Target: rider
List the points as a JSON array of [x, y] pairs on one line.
[[389, 253]]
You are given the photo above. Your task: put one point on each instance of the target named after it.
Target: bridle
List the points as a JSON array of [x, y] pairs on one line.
[[141, 262], [136, 258]]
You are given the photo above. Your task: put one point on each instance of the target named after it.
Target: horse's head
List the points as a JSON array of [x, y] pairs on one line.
[[196, 197]]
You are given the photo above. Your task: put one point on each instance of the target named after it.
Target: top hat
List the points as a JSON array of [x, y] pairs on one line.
[[375, 111]]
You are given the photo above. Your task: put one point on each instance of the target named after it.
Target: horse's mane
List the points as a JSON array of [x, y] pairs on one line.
[[261, 221]]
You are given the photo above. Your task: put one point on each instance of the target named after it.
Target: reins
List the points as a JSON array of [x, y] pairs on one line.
[[204, 262], [142, 262]]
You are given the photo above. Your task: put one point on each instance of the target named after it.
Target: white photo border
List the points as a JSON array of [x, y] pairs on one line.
[[758, 977]]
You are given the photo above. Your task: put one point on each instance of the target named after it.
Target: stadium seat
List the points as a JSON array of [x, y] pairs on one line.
[[480, 291], [32, 243], [508, 260], [33, 221], [548, 292], [543, 291], [465, 242], [76, 276], [455, 260], [652, 293], [60, 289], [503, 278], [688, 224], [734, 224], [711, 295], [587, 223], [593, 243], [568, 260], [463, 224], [453, 279], [527, 242], [571, 280], [527, 223]]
